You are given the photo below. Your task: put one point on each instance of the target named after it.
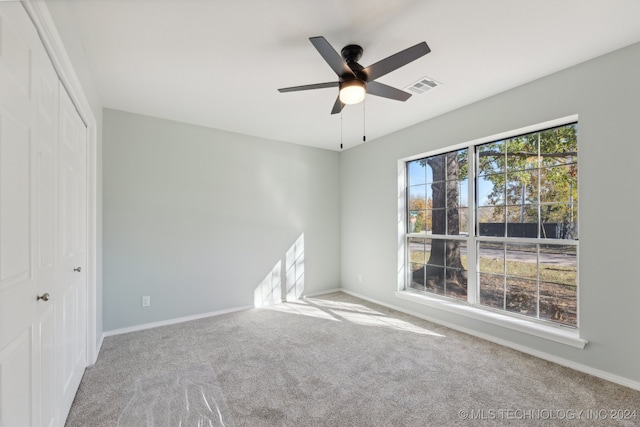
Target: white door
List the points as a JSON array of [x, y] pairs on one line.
[[42, 232], [72, 247], [46, 232], [18, 304]]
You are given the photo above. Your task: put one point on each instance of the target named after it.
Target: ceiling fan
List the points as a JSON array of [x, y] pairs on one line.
[[354, 81]]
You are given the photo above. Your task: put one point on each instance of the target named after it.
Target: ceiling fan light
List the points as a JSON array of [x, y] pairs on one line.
[[352, 92]]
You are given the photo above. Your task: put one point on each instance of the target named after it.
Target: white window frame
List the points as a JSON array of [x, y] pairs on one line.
[[470, 308]]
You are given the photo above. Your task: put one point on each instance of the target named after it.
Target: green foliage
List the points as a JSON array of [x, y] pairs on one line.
[[536, 168]]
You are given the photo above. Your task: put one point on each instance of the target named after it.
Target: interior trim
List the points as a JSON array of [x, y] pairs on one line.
[[173, 321], [562, 335]]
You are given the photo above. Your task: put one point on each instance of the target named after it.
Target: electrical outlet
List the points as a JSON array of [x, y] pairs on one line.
[[146, 301]]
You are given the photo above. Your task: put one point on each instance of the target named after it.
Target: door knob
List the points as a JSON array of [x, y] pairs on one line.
[[43, 297], [77, 269]]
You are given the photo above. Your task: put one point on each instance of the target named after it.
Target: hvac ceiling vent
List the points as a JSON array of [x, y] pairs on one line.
[[423, 85]]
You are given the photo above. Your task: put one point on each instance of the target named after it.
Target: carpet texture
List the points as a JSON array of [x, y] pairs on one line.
[[336, 360]]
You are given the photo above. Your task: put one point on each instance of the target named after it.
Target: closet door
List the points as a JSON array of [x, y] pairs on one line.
[[19, 382], [46, 233], [72, 247], [43, 232]]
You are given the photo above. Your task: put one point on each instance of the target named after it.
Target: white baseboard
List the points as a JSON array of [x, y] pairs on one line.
[[173, 321], [98, 347], [542, 355]]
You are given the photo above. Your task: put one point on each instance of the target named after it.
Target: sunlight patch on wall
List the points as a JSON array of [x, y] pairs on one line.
[[294, 262], [269, 291]]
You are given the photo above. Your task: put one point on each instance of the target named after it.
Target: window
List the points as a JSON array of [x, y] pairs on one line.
[[438, 194], [495, 225]]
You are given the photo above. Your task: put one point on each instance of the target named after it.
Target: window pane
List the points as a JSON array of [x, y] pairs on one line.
[[559, 145], [417, 252], [558, 264], [417, 257], [417, 221], [438, 221], [522, 152], [492, 290], [522, 221], [434, 268], [559, 303], [490, 190], [522, 260], [457, 162], [456, 269], [417, 276], [491, 221], [463, 193], [436, 166], [438, 195], [417, 205], [436, 255], [559, 221], [435, 279], [416, 172], [522, 296], [522, 187], [491, 256], [558, 185], [463, 217], [417, 198], [457, 254], [491, 157], [453, 222]]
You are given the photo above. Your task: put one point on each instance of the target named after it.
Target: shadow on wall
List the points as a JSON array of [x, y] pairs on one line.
[[270, 290]]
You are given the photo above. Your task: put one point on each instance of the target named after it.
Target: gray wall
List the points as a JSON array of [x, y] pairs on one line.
[[196, 218], [605, 92]]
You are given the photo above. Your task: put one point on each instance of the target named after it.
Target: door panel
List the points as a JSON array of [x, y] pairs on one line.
[[15, 209], [48, 401], [73, 200], [46, 261], [16, 36], [17, 285], [15, 381]]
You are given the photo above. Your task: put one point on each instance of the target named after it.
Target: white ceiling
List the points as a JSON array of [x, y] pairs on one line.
[[219, 63]]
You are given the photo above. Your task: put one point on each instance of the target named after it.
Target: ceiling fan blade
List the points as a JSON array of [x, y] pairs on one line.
[[309, 87], [396, 61], [338, 106], [332, 57], [379, 89]]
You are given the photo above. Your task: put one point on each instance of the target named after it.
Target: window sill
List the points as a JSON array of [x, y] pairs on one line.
[[558, 334]]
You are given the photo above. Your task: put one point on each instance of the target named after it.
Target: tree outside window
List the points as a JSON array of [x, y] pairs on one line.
[[525, 233]]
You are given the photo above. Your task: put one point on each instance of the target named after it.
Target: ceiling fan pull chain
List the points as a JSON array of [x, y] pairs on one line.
[[341, 130], [364, 122]]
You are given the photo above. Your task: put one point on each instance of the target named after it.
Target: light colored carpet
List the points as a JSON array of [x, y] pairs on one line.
[[336, 360]]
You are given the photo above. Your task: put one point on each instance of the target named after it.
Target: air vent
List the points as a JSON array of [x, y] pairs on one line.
[[423, 85]]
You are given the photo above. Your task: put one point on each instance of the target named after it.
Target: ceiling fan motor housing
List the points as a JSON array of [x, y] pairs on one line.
[[351, 53]]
